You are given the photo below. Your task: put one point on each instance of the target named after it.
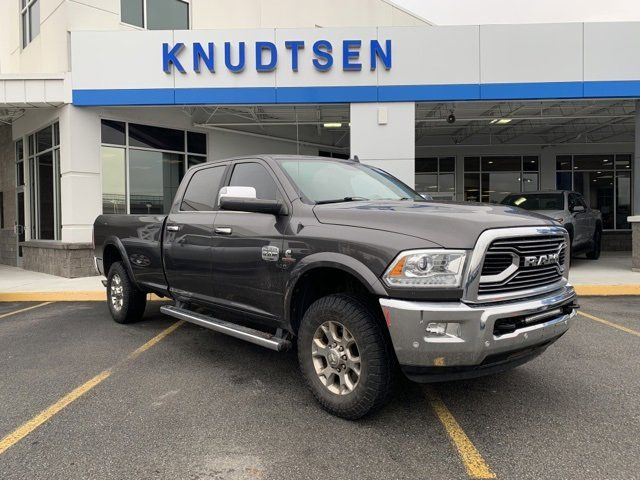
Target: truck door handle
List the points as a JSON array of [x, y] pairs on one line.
[[223, 230], [173, 228]]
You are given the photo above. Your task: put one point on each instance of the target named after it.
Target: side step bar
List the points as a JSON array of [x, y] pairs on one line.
[[238, 331]]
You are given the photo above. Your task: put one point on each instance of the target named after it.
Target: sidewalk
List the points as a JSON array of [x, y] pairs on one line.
[[610, 275]]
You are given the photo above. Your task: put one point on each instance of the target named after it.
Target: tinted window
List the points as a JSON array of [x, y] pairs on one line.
[[113, 132], [167, 15], [202, 190], [156, 137], [256, 176], [131, 12], [196, 143]]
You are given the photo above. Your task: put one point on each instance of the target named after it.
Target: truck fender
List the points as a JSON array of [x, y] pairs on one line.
[[116, 242], [338, 261]]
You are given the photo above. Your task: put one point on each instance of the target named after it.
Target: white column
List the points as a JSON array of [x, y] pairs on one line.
[[383, 135], [636, 165], [80, 168]]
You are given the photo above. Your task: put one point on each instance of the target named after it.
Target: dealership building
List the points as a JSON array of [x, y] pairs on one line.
[[104, 104]]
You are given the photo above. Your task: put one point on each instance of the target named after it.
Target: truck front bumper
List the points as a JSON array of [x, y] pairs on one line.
[[437, 341]]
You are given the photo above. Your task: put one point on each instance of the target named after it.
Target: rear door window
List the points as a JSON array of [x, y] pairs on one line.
[[202, 190]]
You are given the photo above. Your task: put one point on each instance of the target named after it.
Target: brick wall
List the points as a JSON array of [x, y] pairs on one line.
[[56, 258]]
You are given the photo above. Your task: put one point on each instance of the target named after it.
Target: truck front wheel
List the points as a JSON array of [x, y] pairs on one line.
[[344, 356], [126, 302]]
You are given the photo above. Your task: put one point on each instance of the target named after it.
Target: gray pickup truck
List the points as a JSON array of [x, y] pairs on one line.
[[569, 209], [352, 265]]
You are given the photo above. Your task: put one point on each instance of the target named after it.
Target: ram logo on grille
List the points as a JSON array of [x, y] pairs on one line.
[[539, 260]]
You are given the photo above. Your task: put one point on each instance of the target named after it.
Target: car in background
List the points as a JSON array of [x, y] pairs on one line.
[[583, 223]]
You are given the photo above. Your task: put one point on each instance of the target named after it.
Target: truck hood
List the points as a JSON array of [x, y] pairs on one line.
[[448, 224]]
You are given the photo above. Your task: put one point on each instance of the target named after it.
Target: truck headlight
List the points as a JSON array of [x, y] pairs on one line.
[[426, 268]]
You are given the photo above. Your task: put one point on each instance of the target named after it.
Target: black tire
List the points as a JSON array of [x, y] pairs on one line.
[[596, 245], [130, 307], [372, 387]]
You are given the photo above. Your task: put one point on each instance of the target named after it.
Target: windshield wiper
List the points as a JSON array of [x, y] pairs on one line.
[[340, 200]]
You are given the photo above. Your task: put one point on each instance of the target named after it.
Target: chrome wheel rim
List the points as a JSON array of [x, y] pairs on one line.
[[116, 292], [336, 358]]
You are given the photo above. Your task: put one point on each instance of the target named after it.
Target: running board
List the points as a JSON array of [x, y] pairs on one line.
[[238, 331]]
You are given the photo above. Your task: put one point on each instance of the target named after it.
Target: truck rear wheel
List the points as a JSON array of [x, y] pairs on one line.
[[344, 356], [126, 302], [596, 247]]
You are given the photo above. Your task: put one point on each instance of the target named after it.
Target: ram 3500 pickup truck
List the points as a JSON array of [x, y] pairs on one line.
[[352, 265]]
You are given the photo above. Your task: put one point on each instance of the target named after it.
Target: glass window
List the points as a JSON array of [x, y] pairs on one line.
[[501, 164], [597, 189], [530, 182], [202, 190], [197, 143], [623, 199], [20, 174], [114, 191], [158, 138], [593, 162], [563, 181], [447, 182], [254, 175], [472, 187], [46, 202], [530, 164], [30, 12], [563, 162], [195, 160], [623, 162], [471, 164], [448, 164], [131, 12], [426, 182], [113, 133], [19, 150], [426, 165], [154, 178], [167, 15], [536, 201], [497, 185], [44, 139]]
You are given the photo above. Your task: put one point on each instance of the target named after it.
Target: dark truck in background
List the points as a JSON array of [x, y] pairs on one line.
[[352, 265]]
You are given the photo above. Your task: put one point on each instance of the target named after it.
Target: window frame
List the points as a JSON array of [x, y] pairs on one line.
[[127, 157], [438, 173], [145, 22], [25, 12]]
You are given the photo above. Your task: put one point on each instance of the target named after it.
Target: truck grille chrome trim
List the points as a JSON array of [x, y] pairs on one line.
[[513, 263]]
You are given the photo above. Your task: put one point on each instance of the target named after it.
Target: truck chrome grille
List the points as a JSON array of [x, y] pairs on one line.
[[540, 261]]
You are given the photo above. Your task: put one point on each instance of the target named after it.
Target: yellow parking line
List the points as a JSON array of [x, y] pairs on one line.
[[473, 462], [24, 309], [610, 324], [25, 429]]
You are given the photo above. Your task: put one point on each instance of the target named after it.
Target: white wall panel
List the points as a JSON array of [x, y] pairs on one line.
[[122, 60], [431, 56], [611, 51], [530, 53]]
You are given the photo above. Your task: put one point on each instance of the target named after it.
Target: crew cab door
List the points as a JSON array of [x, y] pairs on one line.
[[247, 249], [188, 236], [582, 230]]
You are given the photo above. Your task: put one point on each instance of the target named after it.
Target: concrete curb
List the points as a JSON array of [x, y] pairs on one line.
[[101, 296], [79, 296]]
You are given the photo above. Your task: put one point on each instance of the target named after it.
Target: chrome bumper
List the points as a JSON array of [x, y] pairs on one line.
[[469, 340]]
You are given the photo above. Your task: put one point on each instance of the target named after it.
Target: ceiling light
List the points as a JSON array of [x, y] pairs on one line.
[[500, 121], [332, 125]]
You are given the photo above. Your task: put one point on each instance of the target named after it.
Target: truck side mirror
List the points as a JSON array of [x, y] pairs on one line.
[[577, 209]]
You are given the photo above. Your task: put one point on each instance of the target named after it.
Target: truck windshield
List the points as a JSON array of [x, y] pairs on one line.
[[326, 181], [536, 201]]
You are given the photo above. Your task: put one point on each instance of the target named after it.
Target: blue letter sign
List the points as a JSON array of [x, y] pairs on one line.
[[207, 58], [322, 49], [169, 57], [260, 48]]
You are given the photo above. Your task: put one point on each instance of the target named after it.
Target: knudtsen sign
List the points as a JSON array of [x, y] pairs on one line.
[[206, 56]]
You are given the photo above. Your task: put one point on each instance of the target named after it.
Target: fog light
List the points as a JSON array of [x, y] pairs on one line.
[[443, 329], [436, 329]]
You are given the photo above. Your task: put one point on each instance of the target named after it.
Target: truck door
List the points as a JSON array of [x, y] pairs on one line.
[[247, 249], [188, 236], [581, 219]]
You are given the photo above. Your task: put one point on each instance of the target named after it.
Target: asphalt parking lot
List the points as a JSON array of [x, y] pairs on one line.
[[84, 397]]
